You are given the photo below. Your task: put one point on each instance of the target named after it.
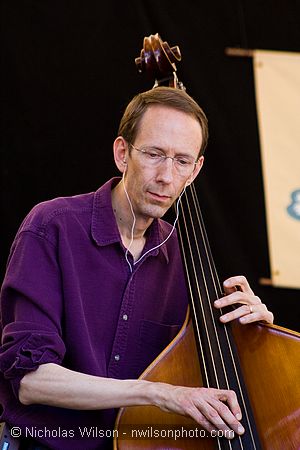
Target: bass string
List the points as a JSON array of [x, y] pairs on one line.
[[196, 324], [212, 278], [198, 292], [215, 277], [193, 303], [217, 287], [216, 284], [212, 358], [207, 293]]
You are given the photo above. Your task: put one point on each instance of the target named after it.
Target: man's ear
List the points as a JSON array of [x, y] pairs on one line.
[[120, 147], [196, 171]]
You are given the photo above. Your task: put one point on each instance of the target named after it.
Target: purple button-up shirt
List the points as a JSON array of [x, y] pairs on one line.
[[69, 298]]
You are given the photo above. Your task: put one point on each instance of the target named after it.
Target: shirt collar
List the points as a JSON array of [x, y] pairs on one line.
[[104, 228]]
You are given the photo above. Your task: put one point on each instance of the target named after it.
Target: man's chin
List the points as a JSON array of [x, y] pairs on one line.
[[158, 211]]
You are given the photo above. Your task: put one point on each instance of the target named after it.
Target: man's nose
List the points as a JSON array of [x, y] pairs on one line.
[[166, 171]]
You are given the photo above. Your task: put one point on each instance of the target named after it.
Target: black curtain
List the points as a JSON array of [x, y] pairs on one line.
[[67, 73]]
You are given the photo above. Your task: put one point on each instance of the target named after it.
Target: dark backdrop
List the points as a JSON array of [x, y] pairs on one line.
[[67, 73]]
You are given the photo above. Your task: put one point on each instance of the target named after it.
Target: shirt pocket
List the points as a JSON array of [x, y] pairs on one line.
[[153, 338]]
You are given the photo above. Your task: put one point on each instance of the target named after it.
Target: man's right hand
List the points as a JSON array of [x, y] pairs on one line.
[[213, 409]]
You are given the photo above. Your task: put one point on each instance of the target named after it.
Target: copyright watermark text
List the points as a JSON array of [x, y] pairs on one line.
[[129, 432]]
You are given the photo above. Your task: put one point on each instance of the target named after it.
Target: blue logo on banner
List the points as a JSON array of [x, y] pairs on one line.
[[294, 208]]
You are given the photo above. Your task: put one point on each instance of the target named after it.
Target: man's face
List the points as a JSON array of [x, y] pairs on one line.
[[153, 189]]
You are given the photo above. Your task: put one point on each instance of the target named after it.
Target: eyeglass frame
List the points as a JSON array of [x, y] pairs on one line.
[[164, 157]]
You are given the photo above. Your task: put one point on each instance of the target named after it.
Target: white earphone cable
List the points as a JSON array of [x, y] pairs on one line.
[[134, 222]]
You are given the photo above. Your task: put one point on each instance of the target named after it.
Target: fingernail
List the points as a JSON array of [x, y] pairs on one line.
[[217, 302], [242, 319], [241, 429], [238, 416]]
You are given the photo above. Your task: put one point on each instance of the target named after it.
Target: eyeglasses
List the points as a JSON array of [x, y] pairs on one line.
[[152, 157]]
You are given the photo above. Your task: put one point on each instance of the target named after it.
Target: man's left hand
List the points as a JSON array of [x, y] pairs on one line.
[[249, 307]]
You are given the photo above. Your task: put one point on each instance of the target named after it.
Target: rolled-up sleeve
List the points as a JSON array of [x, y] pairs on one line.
[[24, 350], [31, 308]]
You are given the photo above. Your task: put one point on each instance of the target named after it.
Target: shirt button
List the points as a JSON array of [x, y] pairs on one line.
[[125, 317], [117, 357]]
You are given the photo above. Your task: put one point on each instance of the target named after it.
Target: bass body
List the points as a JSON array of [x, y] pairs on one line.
[[272, 385]]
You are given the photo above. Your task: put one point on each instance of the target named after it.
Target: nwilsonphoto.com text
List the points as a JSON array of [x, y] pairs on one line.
[[130, 432]]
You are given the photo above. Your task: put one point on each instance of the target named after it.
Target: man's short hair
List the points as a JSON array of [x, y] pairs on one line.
[[164, 96]]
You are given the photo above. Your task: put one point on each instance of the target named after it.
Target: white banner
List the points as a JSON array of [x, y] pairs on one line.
[[277, 82]]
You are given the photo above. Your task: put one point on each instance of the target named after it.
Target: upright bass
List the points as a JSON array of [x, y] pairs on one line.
[[260, 362]]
